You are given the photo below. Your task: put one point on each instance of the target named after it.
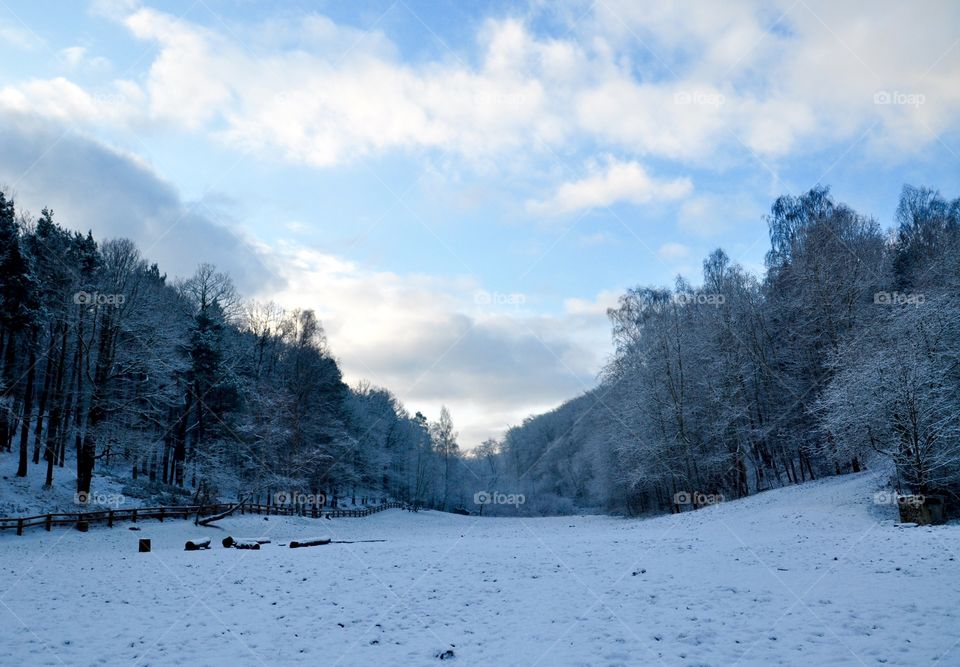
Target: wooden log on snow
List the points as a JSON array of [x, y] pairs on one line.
[[310, 542], [197, 545], [246, 544], [230, 541]]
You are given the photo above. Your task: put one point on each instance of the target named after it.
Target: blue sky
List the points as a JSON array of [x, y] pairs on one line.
[[461, 189]]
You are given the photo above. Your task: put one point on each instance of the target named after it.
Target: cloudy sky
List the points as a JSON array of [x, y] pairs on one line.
[[461, 189]]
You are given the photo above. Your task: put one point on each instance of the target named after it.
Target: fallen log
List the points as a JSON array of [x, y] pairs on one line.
[[197, 545], [216, 517], [354, 541], [246, 544], [310, 542], [230, 541]]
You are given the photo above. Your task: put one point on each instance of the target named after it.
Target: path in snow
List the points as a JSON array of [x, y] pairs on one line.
[[814, 574]]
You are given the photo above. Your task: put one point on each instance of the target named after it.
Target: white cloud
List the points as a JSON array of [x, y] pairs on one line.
[[710, 86], [609, 183], [673, 251], [426, 339], [19, 37], [75, 57], [64, 101], [597, 306], [94, 187]]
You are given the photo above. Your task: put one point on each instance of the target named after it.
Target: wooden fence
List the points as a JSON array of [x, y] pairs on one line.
[[111, 516]]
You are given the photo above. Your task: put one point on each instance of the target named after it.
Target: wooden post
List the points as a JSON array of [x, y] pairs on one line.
[[49, 522], [19, 526], [161, 515], [134, 516], [110, 519]]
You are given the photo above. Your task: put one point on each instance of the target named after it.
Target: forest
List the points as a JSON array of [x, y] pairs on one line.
[[843, 355], [184, 387]]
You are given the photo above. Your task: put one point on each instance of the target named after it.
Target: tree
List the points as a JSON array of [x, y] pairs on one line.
[[445, 443]]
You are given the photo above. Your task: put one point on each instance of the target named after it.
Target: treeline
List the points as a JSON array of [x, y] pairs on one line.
[[847, 351], [104, 362]]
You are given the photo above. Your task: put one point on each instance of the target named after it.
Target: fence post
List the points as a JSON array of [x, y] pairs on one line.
[[19, 526], [161, 515], [110, 519], [134, 516], [49, 522]]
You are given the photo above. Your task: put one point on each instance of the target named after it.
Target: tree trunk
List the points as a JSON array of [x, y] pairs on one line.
[[7, 394], [44, 393], [55, 413], [27, 410]]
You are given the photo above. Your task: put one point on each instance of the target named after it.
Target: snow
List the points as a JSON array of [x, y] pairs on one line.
[[813, 574], [26, 496]]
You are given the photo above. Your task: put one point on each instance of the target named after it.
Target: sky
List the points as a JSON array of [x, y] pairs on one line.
[[460, 190]]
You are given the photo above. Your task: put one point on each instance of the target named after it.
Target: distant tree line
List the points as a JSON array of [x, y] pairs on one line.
[[844, 353], [106, 364]]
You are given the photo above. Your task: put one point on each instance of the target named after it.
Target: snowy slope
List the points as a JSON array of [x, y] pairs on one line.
[[26, 496], [815, 574]]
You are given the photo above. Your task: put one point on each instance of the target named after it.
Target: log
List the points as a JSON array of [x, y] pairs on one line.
[[196, 545], [354, 541], [230, 541], [216, 517], [309, 542], [246, 544]]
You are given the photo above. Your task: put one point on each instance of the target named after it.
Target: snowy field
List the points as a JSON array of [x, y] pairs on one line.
[[815, 574]]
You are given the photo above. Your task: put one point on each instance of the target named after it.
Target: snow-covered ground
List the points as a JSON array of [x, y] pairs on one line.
[[816, 574], [27, 496]]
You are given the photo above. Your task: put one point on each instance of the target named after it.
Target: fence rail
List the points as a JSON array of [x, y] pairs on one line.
[[112, 516]]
